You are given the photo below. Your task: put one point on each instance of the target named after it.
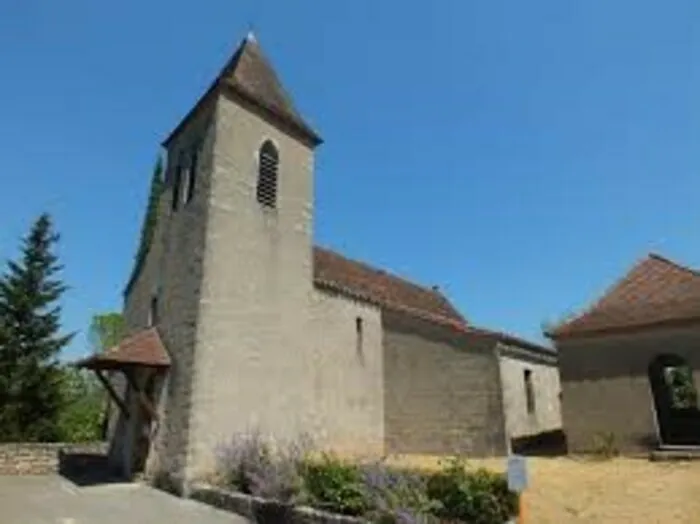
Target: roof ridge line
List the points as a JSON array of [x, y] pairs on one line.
[[461, 325], [662, 258], [276, 103], [386, 272], [600, 297], [508, 336], [650, 260]]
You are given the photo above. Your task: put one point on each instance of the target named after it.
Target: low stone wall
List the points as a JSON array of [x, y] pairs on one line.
[[264, 511], [39, 458]]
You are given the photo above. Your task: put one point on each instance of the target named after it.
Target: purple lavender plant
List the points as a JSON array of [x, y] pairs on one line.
[[398, 496], [254, 465], [238, 458]]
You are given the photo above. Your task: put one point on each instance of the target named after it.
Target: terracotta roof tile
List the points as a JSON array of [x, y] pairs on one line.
[[359, 280], [460, 326], [143, 348], [251, 75], [655, 291]]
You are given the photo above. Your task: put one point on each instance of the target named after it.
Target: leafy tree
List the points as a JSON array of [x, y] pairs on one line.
[[80, 419], [680, 381], [106, 330], [30, 343]]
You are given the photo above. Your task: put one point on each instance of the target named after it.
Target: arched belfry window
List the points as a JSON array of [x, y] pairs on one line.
[[268, 161]]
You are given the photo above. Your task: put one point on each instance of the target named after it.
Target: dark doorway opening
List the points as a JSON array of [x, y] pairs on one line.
[[675, 401], [145, 416]]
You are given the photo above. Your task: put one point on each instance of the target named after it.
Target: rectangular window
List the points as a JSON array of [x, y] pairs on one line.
[[529, 391]]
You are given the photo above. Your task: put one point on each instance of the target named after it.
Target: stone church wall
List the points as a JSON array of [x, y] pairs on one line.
[[346, 372], [172, 272], [273, 354], [605, 385], [546, 415], [442, 391], [253, 345]]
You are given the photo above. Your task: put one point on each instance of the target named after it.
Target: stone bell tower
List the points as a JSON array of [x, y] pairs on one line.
[[251, 349]]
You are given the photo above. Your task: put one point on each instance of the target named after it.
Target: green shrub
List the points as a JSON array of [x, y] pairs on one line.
[[605, 445], [335, 485], [80, 418], [478, 497], [378, 492]]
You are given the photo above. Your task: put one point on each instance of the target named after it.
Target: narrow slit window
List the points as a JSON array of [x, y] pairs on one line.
[[153, 312], [192, 175], [177, 183], [529, 391], [268, 163], [359, 335]]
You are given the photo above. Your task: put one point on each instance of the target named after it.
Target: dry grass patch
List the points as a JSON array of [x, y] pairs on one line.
[[620, 490]]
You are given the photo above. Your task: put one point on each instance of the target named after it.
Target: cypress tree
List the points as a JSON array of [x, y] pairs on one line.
[[30, 342]]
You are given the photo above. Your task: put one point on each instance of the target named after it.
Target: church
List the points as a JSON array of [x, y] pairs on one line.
[[238, 322]]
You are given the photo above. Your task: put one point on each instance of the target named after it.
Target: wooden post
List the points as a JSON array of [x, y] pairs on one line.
[[145, 402], [521, 508], [112, 393]]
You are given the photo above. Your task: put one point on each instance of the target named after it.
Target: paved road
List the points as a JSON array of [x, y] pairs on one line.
[[54, 500]]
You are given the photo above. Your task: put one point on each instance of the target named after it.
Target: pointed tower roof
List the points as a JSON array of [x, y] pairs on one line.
[[250, 75], [655, 291]]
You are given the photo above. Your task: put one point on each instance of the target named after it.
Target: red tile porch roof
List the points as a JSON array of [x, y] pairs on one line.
[[656, 291], [144, 348]]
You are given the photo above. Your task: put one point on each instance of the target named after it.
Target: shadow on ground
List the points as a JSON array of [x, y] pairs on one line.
[[87, 469], [547, 444]]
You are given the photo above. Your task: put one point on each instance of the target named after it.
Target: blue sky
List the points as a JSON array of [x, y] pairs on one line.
[[521, 155]]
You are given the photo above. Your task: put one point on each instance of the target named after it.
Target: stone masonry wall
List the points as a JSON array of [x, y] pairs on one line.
[[256, 509], [347, 375], [253, 341], [605, 385], [180, 287], [443, 391], [545, 379], [173, 272], [30, 458]]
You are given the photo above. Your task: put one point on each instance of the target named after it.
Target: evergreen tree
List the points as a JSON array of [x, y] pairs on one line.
[[30, 343], [151, 216]]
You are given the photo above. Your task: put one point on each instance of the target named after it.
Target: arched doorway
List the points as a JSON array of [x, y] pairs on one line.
[[675, 400]]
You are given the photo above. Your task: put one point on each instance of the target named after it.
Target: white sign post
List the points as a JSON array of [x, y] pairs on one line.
[[517, 481], [517, 473]]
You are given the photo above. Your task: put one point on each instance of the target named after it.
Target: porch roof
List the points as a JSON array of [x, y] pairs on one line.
[[144, 348]]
